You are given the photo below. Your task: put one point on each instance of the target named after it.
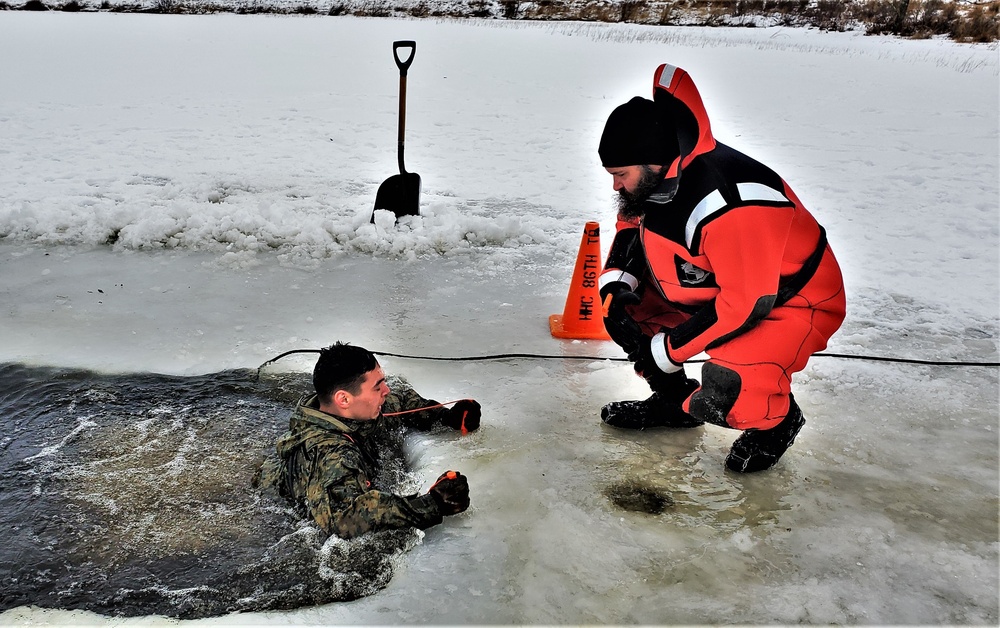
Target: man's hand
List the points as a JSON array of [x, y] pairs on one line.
[[451, 493], [620, 326], [651, 356], [464, 415]]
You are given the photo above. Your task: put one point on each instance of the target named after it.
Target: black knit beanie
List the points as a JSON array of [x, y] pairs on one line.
[[638, 133]]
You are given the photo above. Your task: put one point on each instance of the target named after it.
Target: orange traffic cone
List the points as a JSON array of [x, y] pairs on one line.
[[582, 316]]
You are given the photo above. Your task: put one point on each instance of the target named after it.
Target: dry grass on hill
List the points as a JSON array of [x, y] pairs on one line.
[[976, 21]]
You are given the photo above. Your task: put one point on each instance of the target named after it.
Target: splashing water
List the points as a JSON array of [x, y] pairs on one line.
[[130, 495]]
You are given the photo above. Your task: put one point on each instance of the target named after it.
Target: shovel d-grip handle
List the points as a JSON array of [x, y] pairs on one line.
[[404, 65]]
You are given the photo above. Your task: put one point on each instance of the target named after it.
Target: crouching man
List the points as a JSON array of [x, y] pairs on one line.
[[344, 442], [714, 253]]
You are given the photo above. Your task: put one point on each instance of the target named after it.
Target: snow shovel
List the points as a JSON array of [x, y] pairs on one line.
[[400, 193]]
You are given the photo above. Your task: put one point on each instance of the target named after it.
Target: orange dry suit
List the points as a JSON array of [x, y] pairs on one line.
[[733, 265]]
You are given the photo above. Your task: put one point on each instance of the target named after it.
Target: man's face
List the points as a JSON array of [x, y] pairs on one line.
[[634, 185], [367, 404]]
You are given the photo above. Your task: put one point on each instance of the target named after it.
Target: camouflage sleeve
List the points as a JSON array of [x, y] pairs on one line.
[[402, 397], [341, 501]]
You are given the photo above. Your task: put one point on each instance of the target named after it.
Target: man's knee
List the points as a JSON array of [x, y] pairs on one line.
[[720, 388]]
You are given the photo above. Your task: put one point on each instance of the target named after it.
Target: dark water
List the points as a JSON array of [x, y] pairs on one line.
[[130, 495]]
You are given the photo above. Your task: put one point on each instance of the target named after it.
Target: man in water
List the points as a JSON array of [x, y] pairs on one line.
[[344, 445], [714, 253]]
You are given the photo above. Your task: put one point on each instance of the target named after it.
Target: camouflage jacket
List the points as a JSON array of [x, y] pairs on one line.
[[341, 470]]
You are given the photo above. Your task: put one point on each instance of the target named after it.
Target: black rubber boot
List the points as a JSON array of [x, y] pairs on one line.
[[661, 409], [756, 450]]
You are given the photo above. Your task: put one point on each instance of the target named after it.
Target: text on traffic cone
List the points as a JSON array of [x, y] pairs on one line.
[[582, 316]]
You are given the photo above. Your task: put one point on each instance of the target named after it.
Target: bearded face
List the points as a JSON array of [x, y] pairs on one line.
[[632, 204]]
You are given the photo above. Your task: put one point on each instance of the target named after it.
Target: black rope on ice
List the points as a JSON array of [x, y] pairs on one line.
[[539, 356], [592, 358], [278, 357], [876, 358]]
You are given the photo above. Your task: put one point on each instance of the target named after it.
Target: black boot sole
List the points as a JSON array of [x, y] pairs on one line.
[[633, 415]]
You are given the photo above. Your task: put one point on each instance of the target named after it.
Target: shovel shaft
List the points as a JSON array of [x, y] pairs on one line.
[[402, 120], [403, 66]]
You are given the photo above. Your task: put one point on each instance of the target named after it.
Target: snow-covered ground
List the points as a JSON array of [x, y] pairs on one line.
[[186, 194]]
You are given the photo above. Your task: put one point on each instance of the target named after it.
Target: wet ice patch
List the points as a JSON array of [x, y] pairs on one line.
[[636, 496]]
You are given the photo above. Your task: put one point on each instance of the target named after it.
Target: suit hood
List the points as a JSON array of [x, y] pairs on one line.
[[675, 92]]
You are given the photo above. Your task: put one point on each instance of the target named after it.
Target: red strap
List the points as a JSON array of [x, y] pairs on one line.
[[607, 304]]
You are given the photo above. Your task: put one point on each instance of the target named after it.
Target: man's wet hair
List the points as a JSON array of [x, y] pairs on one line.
[[341, 366]]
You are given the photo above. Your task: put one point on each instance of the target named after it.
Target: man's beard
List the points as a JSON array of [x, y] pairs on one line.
[[632, 205]]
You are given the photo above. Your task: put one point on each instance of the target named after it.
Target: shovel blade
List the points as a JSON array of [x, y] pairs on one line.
[[400, 194]]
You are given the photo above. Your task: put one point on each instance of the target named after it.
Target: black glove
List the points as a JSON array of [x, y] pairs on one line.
[[642, 358], [620, 326], [464, 415], [451, 493]]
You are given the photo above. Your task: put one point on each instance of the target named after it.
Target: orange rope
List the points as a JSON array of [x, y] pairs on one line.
[[439, 405]]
